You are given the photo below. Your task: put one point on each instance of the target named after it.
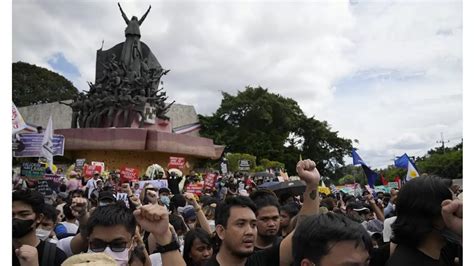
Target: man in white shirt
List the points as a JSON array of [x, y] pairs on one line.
[[92, 183]]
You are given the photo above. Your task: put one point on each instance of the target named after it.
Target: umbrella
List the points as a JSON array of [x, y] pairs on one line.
[[294, 188], [268, 185]]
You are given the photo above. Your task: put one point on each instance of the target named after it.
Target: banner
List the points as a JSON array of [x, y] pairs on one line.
[[177, 162], [33, 143], [393, 185], [155, 183], [210, 181], [195, 188], [48, 184], [128, 174], [17, 120], [32, 170]]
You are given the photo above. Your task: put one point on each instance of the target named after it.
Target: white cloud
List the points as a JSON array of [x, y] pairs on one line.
[[403, 59]]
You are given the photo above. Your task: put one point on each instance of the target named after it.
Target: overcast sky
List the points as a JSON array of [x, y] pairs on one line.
[[387, 73]]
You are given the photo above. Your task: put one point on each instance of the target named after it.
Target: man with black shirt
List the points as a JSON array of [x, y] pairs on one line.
[[268, 219], [27, 214], [236, 226]]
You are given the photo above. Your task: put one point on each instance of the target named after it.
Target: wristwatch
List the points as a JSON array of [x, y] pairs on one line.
[[174, 245]]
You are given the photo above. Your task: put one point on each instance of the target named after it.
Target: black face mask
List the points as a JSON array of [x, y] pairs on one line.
[[21, 227], [450, 236]]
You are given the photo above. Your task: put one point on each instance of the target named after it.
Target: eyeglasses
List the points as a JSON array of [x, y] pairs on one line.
[[100, 246]]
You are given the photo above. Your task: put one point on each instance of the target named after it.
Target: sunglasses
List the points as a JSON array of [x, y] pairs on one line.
[[100, 246]]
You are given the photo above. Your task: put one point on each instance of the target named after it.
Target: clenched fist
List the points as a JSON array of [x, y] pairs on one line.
[[27, 255], [307, 171]]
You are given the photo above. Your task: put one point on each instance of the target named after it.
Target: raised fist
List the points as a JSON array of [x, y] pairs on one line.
[[27, 255], [307, 171]]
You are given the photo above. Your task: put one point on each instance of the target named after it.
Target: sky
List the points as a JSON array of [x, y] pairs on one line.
[[387, 73]]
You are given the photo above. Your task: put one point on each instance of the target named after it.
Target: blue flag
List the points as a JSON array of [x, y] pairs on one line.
[[371, 175], [402, 162], [356, 158]]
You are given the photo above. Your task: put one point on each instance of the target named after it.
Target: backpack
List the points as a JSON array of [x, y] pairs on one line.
[[49, 254]]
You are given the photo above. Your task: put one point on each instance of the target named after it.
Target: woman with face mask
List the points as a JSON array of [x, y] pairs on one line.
[[197, 247], [420, 231]]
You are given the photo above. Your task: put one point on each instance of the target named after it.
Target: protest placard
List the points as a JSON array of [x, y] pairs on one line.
[[177, 162], [79, 165], [210, 181], [195, 188], [128, 174], [32, 170]]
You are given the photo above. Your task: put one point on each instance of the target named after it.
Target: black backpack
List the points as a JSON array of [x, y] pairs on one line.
[[49, 254]]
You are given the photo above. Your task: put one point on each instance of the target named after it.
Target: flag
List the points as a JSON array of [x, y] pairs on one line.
[[399, 181], [17, 120], [411, 173], [384, 182], [47, 143], [402, 161], [371, 175], [356, 158]]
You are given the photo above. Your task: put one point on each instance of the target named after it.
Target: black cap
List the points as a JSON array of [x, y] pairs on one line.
[[164, 190], [106, 195]]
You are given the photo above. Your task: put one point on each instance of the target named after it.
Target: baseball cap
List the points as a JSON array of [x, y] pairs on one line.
[[164, 190], [357, 206], [106, 195], [189, 213]]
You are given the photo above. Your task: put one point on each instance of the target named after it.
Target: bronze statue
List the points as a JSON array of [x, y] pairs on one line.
[[131, 52]]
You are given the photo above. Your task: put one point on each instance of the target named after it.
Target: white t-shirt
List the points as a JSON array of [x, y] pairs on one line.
[[65, 245], [91, 184], [387, 228]]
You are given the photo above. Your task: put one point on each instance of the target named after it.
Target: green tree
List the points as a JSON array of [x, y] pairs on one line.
[[447, 163], [268, 125], [34, 85]]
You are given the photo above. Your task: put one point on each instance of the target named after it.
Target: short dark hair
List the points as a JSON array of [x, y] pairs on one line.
[[290, 208], [49, 212], [418, 205], [312, 238], [177, 222], [68, 212], [264, 198], [30, 197], [328, 203], [223, 209], [189, 238], [110, 215]]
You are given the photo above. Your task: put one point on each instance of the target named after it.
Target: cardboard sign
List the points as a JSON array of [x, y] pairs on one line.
[[177, 162], [210, 181], [128, 174], [224, 168], [244, 165], [89, 170], [33, 143], [195, 188], [79, 164], [32, 170], [101, 166], [123, 197]]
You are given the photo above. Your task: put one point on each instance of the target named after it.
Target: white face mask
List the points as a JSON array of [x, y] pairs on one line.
[[120, 257], [42, 234]]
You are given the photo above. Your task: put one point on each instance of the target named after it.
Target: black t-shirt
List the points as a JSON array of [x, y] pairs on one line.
[[58, 258], [404, 256], [269, 256], [275, 243]]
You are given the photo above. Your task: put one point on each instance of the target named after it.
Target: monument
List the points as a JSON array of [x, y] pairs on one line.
[[122, 119], [126, 87]]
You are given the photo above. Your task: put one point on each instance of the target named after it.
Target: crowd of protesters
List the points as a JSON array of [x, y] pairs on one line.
[[237, 223]]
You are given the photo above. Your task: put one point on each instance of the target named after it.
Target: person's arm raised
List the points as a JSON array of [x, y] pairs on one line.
[[307, 172], [155, 219], [201, 217], [123, 14], [79, 210]]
